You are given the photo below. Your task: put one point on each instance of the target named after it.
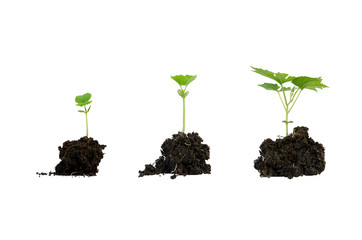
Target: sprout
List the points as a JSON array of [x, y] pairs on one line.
[[183, 80], [300, 83], [84, 100]]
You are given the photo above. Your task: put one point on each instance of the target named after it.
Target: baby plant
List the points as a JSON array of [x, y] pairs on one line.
[[300, 83], [183, 81], [84, 100]]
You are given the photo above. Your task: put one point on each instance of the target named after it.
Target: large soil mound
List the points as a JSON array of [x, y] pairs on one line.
[[292, 156]]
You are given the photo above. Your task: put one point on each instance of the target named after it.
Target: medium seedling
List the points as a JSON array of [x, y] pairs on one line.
[[300, 83], [83, 101], [183, 81]]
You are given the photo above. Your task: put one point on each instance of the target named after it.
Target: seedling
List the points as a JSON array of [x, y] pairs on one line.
[[183, 80], [300, 83], [84, 100]]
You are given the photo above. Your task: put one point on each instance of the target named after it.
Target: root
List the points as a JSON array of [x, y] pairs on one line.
[[175, 169], [66, 151]]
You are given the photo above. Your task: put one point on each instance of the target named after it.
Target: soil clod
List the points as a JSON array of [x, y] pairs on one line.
[[292, 156], [80, 157], [183, 154]]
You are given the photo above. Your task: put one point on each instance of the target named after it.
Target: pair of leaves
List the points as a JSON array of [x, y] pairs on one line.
[[182, 93], [86, 111], [184, 80], [83, 100]]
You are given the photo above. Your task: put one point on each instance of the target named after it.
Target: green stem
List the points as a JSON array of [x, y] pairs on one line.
[[295, 101], [296, 92], [285, 98], [282, 102], [183, 125], [286, 122], [286, 106], [86, 119]]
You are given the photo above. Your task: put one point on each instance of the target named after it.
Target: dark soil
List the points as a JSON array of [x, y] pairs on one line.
[[181, 155], [292, 156], [80, 157], [45, 174]]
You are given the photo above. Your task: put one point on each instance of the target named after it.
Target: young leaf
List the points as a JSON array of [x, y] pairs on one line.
[[284, 89], [269, 86], [282, 77], [180, 92], [292, 92], [80, 111], [287, 121], [184, 80], [82, 100]]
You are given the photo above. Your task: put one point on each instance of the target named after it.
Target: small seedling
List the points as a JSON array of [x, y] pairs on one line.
[[300, 83], [183, 80], [84, 100]]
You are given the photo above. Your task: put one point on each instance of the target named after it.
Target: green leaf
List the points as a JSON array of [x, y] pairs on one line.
[[83, 100], [283, 77], [269, 86], [80, 111], [180, 92], [315, 85], [285, 89], [292, 92], [279, 77], [266, 73], [184, 80], [308, 83]]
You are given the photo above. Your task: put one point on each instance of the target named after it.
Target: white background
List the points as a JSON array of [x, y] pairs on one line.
[[123, 52]]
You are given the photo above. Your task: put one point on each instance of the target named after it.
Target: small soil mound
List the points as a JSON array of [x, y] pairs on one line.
[[79, 158], [292, 156], [181, 155]]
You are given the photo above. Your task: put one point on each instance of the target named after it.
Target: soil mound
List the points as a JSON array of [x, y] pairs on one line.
[[181, 155], [292, 156], [80, 157]]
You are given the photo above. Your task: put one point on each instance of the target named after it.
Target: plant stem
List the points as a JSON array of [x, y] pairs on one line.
[[86, 119], [285, 106], [286, 122], [183, 125], [282, 102], [295, 101]]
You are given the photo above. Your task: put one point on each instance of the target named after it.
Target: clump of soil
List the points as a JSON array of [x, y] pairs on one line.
[[80, 157], [45, 174], [181, 155], [292, 156]]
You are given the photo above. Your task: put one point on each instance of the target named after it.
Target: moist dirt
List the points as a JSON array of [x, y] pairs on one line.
[[183, 154], [292, 156], [78, 158]]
